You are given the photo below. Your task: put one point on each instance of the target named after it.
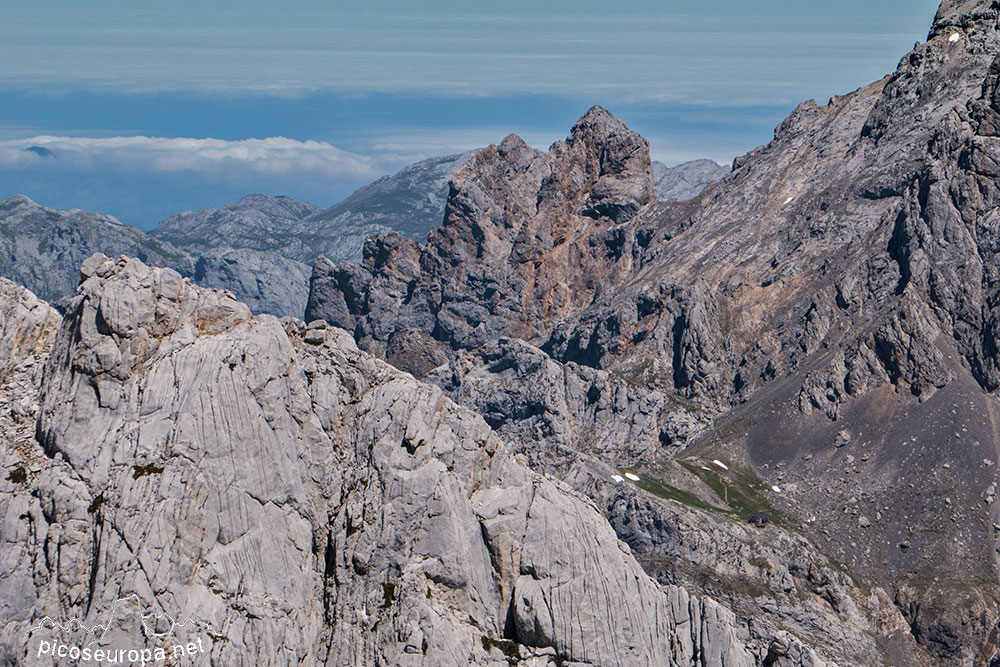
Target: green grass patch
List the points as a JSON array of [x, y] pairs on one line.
[[635, 374], [721, 434], [658, 488], [711, 580], [688, 404], [18, 475], [741, 490], [644, 374]]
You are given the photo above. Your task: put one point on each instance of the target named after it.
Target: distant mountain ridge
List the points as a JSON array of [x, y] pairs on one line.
[[41, 248], [257, 221], [260, 247], [411, 202], [687, 179]]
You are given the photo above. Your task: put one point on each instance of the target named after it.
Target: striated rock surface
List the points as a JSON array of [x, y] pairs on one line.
[[313, 504], [828, 307], [27, 330]]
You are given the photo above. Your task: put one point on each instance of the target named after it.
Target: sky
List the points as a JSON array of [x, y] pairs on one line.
[[143, 109]]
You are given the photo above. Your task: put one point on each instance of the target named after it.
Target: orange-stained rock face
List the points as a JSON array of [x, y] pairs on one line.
[[528, 239]]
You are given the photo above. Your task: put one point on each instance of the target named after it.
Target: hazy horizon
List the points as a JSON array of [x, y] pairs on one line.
[[149, 110]]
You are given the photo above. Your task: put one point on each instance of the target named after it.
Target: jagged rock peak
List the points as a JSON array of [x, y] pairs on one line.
[[597, 116], [619, 148], [534, 235], [618, 159], [965, 14], [17, 200]]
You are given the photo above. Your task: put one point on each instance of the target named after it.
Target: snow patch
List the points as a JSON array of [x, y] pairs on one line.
[[789, 201], [618, 478], [634, 478], [954, 37], [720, 464], [776, 489]]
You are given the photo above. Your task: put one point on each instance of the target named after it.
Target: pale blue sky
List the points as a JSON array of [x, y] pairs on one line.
[[381, 84]]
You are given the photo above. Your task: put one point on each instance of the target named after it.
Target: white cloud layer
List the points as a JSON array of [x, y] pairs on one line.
[[216, 159]]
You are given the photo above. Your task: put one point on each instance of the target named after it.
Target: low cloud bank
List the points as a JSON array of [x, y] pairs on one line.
[[213, 158]]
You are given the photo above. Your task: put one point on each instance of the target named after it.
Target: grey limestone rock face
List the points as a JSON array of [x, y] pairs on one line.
[[265, 281], [27, 330], [255, 222], [312, 503], [26, 326], [558, 413]]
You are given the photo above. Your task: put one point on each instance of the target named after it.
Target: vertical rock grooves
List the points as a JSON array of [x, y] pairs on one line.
[[314, 504]]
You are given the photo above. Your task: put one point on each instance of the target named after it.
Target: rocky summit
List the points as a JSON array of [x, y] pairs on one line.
[[813, 338], [584, 423]]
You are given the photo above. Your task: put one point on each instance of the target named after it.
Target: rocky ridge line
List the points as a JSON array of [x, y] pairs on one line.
[[177, 431]]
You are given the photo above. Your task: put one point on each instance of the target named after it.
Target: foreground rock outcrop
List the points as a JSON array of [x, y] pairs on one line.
[[310, 503]]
